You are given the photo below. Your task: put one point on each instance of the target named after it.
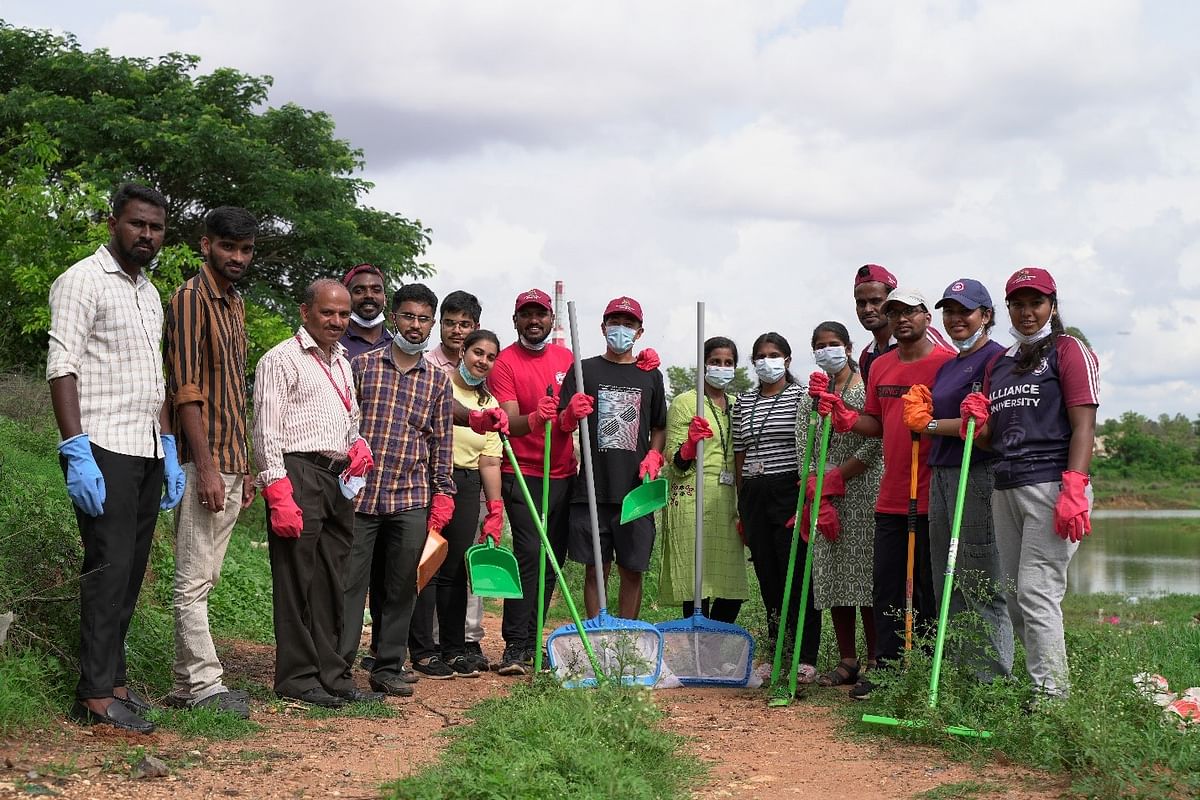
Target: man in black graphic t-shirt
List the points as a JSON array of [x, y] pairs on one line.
[[627, 420]]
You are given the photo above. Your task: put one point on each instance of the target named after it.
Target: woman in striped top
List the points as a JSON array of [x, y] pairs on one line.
[[765, 465]]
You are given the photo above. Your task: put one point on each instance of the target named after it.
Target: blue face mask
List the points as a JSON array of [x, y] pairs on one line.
[[465, 374], [619, 338]]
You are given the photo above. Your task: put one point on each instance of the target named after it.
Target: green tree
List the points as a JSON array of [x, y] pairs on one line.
[[205, 141], [681, 379]]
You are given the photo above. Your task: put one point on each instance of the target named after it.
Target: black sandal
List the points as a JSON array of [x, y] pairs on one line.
[[846, 672]]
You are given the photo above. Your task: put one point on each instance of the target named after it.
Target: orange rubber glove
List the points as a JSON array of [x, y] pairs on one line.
[[918, 408]]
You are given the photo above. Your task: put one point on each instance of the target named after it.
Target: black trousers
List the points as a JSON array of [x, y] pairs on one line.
[[722, 609], [765, 504], [401, 537], [306, 583], [446, 593], [116, 547], [520, 616], [891, 575]]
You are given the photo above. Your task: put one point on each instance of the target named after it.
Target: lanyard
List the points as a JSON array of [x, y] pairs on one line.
[[755, 438], [717, 414], [343, 396]]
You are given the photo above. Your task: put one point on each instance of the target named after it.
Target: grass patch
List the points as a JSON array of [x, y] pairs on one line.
[[545, 741], [1112, 742], [960, 791], [373, 710], [204, 723]]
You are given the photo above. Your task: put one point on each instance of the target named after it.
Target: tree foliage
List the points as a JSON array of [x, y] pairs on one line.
[[1168, 447], [681, 379]]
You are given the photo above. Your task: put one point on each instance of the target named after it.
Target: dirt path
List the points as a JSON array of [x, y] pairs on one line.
[[754, 752]]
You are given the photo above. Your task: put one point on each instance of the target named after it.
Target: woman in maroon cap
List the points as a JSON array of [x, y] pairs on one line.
[[1038, 409]]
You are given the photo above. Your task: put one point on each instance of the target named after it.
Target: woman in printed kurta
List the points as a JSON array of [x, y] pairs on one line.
[[843, 560], [724, 584]]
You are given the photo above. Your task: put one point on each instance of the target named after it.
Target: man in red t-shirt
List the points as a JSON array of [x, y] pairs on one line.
[[526, 380], [915, 359]]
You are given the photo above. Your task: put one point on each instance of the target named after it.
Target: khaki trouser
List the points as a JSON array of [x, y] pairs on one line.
[[201, 538]]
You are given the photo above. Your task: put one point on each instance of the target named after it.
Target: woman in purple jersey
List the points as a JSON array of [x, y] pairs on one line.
[[968, 316], [1038, 410]]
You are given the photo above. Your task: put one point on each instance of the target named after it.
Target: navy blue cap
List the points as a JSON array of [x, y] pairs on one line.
[[968, 291]]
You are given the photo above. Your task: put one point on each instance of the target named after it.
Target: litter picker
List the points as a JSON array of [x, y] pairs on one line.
[[541, 598]]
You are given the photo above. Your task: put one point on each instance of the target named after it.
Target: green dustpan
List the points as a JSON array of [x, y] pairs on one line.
[[645, 499], [493, 572]]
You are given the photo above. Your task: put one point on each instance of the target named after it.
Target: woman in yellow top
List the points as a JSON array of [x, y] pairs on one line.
[[476, 465]]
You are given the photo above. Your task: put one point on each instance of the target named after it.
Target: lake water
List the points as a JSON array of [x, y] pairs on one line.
[[1139, 553]]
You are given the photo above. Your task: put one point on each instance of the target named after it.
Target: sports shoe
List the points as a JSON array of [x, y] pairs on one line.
[[392, 685], [433, 668], [408, 676], [511, 662], [474, 654], [862, 690], [463, 667]]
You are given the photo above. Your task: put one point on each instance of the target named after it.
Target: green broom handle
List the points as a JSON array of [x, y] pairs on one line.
[[777, 664], [951, 558], [541, 529], [541, 609], [813, 512]]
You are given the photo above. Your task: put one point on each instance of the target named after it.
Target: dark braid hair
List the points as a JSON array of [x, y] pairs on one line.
[[1029, 358]]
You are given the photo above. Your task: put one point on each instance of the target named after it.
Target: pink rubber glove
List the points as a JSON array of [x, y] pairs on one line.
[[974, 405], [843, 417], [547, 409], [578, 407], [828, 523], [651, 465], [440, 512], [647, 360], [361, 460], [818, 383], [286, 518], [493, 523], [833, 485], [698, 429], [488, 420], [1071, 515]]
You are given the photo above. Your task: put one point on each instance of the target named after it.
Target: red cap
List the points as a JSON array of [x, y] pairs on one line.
[[873, 272], [624, 305], [361, 268], [535, 296], [1034, 278]]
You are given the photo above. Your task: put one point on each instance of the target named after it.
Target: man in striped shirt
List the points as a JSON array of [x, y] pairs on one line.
[[205, 352], [104, 366], [309, 452]]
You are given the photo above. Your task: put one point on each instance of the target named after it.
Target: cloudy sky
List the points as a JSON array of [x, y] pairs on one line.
[[753, 155]]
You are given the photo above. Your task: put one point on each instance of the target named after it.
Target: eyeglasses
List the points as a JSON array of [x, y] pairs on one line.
[[907, 313], [407, 317], [461, 325]]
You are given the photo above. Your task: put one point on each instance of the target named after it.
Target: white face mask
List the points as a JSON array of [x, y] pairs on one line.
[[770, 370], [535, 347], [368, 323], [718, 377], [969, 342], [831, 359], [1033, 338], [411, 348]]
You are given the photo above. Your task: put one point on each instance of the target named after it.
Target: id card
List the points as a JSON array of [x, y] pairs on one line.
[[725, 478], [752, 469]]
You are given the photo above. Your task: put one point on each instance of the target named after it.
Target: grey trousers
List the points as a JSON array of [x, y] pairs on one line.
[[1035, 560], [978, 578]]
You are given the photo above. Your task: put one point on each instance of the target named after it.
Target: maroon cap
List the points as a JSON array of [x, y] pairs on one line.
[[624, 305], [535, 296], [873, 272], [1034, 278], [361, 268]]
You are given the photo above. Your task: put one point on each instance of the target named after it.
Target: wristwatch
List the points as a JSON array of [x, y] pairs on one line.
[[932, 426]]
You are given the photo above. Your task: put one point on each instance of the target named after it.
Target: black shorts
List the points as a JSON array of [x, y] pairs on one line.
[[633, 541]]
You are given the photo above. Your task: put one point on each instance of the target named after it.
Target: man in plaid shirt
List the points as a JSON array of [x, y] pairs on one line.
[[407, 418]]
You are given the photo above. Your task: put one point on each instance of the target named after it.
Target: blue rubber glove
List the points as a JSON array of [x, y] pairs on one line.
[[173, 479], [85, 483]]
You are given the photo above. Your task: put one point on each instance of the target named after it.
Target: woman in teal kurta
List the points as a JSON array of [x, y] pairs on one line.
[[724, 578]]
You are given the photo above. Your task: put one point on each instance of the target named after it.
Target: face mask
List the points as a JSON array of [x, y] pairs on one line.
[[351, 486], [368, 323], [1033, 339], [468, 378], [619, 338], [831, 359], [969, 342], [535, 347], [769, 370], [718, 377], [411, 348]]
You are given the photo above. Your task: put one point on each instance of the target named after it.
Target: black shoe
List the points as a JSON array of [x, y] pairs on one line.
[[862, 690], [367, 663], [408, 676], [433, 668], [136, 703], [315, 697], [357, 695], [393, 685], [475, 655], [512, 662], [463, 667], [230, 701], [117, 714]]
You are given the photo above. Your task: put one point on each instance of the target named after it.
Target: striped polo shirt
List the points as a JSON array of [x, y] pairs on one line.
[[764, 429]]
